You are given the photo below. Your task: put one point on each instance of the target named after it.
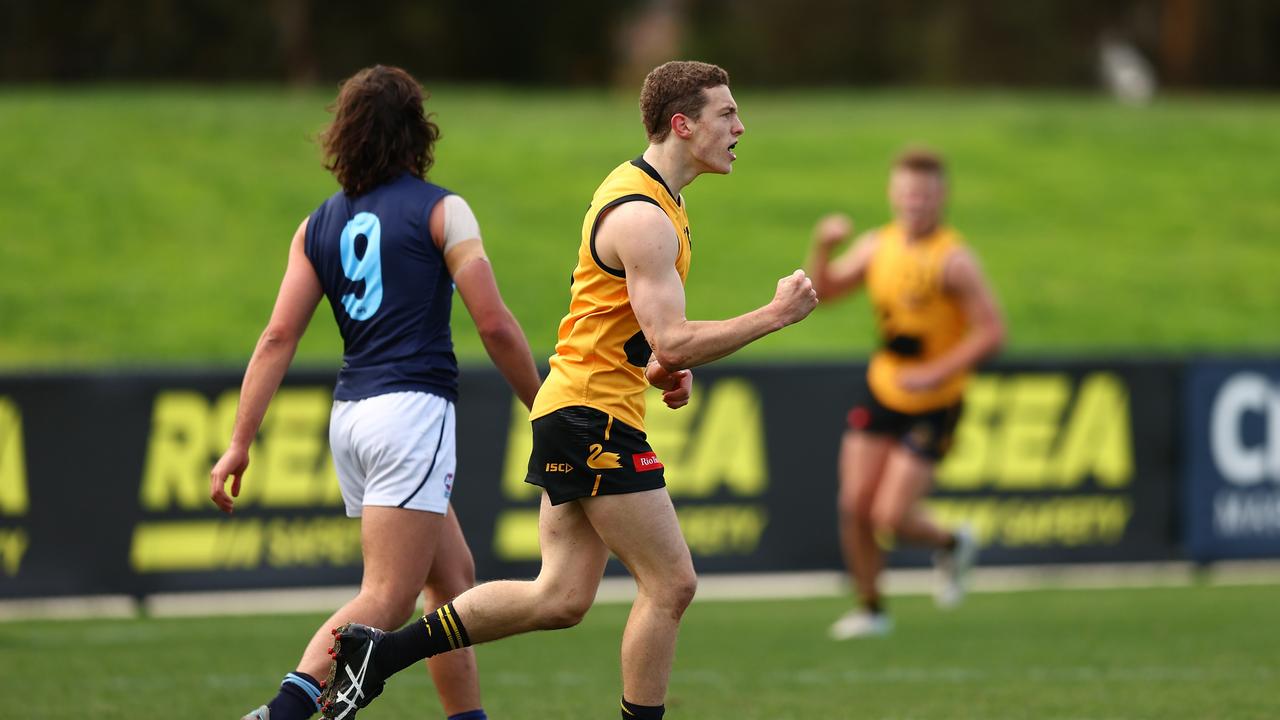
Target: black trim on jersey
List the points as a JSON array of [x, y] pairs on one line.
[[648, 169], [444, 420], [596, 224], [908, 346], [637, 350]]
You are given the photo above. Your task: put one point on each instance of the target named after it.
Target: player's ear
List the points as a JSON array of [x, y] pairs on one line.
[[681, 125]]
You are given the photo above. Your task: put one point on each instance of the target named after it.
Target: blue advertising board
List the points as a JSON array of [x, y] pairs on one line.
[[1232, 483]]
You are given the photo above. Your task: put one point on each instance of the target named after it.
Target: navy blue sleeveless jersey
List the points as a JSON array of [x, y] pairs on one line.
[[389, 288]]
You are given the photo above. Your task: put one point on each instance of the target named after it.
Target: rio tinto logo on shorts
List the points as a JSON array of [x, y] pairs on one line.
[[646, 461]]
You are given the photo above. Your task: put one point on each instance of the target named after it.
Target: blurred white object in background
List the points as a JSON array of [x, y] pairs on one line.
[[1125, 72]]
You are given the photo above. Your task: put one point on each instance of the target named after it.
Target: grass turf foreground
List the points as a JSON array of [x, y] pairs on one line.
[[150, 225], [1203, 653]]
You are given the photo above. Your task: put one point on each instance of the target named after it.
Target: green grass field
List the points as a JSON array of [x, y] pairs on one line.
[[149, 226], [1202, 653]]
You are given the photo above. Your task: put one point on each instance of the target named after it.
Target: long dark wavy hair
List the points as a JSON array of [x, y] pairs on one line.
[[379, 130]]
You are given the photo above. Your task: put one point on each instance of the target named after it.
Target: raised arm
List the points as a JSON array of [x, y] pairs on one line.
[[455, 228], [834, 278], [300, 292], [641, 237]]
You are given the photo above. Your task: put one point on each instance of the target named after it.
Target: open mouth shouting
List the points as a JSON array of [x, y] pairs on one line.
[[733, 156]]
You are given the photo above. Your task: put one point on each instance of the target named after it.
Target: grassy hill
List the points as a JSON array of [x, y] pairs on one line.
[[150, 226]]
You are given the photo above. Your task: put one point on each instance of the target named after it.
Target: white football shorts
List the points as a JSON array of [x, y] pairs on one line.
[[394, 450]]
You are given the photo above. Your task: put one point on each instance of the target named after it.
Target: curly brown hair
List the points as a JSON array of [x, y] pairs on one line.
[[676, 88], [379, 130]]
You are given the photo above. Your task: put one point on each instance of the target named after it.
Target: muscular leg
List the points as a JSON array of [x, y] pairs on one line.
[[642, 530], [863, 457], [897, 509], [573, 560], [398, 546], [453, 572]]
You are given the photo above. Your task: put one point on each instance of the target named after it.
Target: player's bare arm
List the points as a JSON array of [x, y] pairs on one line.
[[963, 279], [499, 330], [642, 239], [835, 278], [300, 292]]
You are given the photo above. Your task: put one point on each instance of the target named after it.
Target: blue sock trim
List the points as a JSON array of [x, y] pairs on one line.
[[304, 684], [477, 714]]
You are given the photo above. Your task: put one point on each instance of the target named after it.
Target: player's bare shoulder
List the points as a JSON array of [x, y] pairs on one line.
[[962, 271], [633, 230]]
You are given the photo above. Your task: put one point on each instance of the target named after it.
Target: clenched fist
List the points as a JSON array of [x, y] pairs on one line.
[[832, 230], [795, 297]]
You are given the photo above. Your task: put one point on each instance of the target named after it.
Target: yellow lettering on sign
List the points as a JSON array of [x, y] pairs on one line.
[[1021, 433], [289, 465], [670, 433], [13, 464], [196, 545], [312, 542], [1097, 440], [177, 453], [722, 529], [516, 465], [294, 448], [728, 448], [1034, 405], [1070, 521], [715, 442], [13, 547], [515, 535], [965, 467]]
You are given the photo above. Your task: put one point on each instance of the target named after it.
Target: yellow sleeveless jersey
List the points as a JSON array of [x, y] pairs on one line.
[[917, 319], [600, 351]]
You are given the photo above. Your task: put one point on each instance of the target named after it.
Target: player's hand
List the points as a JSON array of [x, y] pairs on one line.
[[832, 230], [232, 464], [795, 297], [675, 386], [920, 379]]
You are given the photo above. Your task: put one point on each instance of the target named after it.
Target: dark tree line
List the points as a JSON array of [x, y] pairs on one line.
[[1192, 43]]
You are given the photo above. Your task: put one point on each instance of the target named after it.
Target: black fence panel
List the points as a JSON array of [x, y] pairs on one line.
[[104, 477]]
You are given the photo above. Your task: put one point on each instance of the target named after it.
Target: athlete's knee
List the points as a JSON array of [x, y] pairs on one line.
[[855, 508], [563, 606], [681, 592], [887, 521], [674, 592]]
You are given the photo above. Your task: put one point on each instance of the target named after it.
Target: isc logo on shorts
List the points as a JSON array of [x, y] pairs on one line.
[[646, 461], [559, 467]]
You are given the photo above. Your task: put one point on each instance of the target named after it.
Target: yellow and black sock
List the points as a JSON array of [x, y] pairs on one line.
[[631, 711], [436, 632]]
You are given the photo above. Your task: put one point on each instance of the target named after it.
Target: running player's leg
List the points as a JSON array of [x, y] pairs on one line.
[[862, 461], [642, 530], [573, 560], [898, 510], [452, 573], [390, 585]]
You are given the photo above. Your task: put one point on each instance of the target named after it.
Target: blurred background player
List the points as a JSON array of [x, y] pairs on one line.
[[604, 490], [937, 318], [387, 251]]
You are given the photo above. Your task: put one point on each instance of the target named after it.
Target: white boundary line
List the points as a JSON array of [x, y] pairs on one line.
[[711, 587]]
